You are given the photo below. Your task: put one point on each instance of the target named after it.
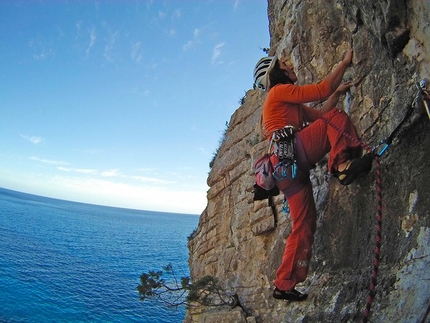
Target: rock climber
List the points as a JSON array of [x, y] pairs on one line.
[[314, 138]]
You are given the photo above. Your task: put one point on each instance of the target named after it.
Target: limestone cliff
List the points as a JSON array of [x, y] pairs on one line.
[[241, 242]]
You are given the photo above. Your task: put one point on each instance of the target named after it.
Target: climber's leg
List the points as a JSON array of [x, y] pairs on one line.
[[297, 254], [319, 138]]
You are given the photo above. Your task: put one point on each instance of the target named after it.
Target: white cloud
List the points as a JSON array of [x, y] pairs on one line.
[[33, 139], [216, 53], [48, 161], [85, 170], [92, 40], [79, 170], [65, 169], [103, 192], [78, 25], [194, 42], [108, 52], [236, 4], [136, 54], [135, 192], [137, 197], [177, 13], [110, 173], [189, 45], [146, 179], [41, 49], [146, 169]]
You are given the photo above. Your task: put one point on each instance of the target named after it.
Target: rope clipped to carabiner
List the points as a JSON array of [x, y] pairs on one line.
[[422, 96]]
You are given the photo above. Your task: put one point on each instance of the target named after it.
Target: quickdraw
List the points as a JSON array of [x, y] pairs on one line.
[[380, 149]]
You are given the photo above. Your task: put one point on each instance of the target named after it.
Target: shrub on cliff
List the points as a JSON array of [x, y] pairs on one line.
[[175, 292]]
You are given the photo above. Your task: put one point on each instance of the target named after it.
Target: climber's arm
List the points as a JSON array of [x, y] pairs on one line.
[[336, 76], [334, 98]]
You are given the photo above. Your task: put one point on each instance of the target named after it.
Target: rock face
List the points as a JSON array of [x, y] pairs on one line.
[[241, 242]]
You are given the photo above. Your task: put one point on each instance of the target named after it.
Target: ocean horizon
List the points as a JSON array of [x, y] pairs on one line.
[[65, 261]]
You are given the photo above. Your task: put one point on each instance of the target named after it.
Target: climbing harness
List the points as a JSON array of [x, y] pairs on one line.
[[284, 143], [377, 153]]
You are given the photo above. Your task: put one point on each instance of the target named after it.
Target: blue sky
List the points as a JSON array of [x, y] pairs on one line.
[[122, 103]]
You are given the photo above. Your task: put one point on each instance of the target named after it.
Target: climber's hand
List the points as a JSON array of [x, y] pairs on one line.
[[348, 57], [344, 87]]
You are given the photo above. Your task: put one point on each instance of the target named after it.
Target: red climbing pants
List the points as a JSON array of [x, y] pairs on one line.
[[313, 143]]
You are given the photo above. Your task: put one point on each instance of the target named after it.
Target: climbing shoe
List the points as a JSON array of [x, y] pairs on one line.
[[294, 295], [355, 168]]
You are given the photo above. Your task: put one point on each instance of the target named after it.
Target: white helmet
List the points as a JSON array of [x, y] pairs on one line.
[[260, 72]]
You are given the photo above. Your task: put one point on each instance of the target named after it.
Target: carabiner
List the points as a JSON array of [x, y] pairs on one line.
[[285, 207], [377, 151], [293, 170], [281, 171]]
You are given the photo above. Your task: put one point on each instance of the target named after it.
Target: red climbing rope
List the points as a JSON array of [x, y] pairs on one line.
[[421, 91], [378, 240], [373, 281]]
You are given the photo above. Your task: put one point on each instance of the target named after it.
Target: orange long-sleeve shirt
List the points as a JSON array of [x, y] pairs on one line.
[[284, 105]]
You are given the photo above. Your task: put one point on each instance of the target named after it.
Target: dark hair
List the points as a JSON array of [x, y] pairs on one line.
[[276, 75]]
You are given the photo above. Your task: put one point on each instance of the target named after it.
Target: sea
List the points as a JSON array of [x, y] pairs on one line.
[[63, 261]]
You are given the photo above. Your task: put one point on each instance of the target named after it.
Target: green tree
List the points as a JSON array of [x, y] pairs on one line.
[[167, 288]]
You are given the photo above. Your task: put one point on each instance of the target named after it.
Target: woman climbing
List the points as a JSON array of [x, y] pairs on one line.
[[285, 108]]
